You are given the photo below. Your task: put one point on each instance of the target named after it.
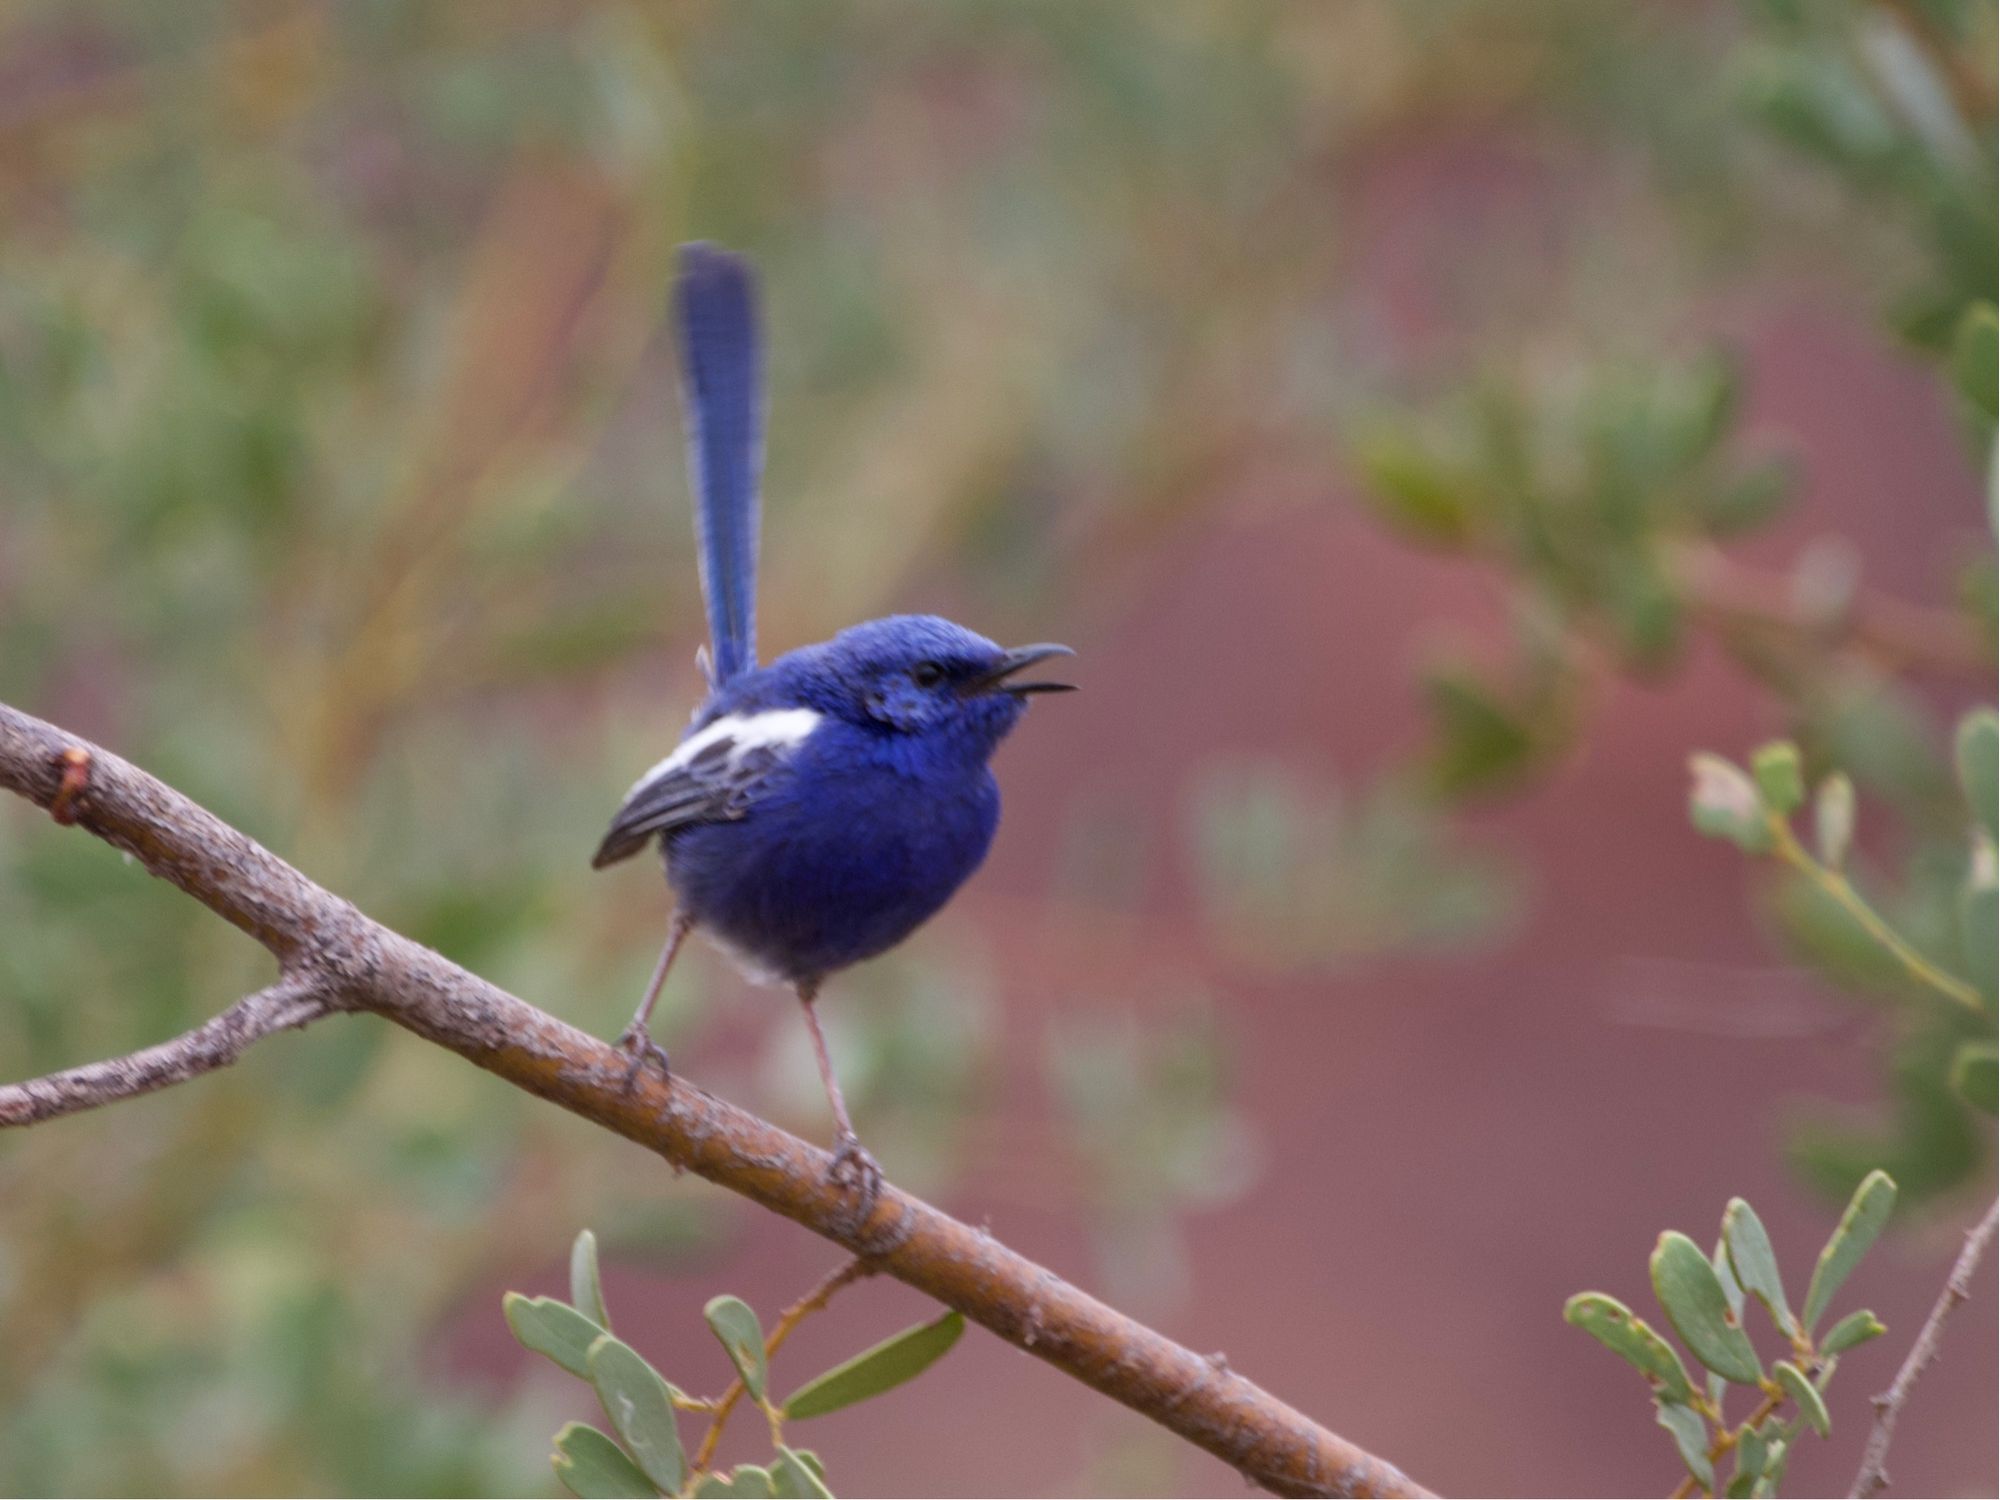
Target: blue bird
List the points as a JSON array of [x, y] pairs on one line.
[[820, 809]]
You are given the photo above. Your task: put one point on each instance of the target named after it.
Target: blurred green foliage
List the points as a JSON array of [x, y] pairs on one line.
[[1154, 1134], [1941, 973], [1603, 494], [648, 1456], [1293, 877]]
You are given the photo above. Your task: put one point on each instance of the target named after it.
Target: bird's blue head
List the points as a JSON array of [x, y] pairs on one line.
[[921, 675]]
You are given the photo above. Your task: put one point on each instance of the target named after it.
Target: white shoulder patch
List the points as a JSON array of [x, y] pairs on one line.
[[733, 736]]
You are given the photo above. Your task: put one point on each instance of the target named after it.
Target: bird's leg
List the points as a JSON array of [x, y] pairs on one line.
[[636, 1039], [852, 1167]]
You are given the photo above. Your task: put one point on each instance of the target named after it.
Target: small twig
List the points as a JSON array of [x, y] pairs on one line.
[[1728, 1437], [293, 1001], [1874, 1475], [1889, 631], [792, 1316], [1840, 890]]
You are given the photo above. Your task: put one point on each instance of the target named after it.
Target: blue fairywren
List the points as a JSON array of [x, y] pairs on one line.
[[817, 810]]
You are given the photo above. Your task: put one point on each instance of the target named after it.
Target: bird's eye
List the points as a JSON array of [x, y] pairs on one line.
[[927, 674]]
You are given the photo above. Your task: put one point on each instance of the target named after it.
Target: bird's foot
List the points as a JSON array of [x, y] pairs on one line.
[[636, 1041], [855, 1171]]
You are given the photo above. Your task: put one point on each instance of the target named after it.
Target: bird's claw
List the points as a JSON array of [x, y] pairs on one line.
[[855, 1171], [636, 1041]]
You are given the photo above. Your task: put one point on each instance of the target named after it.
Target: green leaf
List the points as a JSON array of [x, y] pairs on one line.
[[1732, 1293], [748, 1482], [1979, 767], [1979, 924], [1973, 1074], [1410, 489], [1833, 819], [1645, 612], [1750, 1454], [1755, 1263], [1732, 1289], [1975, 345], [1691, 1437], [592, 1467], [552, 1328], [1612, 1324], [1774, 1468], [886, 1366], [1855, 1328], [1697, 1306], [1482, 741], [640, 1406], [1724, 803], [742, 1338], [793, 1477], [1867, 1211], [1749, 499], [1779, 778], [586, 1290], [1802, 1390], [1713, 401], [812, 1461]]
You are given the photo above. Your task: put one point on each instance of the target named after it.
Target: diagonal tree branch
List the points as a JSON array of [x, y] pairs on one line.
[[333, 956], [1874, 1475]]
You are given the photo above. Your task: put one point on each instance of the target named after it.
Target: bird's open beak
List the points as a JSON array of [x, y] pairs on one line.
[[1012, 662]]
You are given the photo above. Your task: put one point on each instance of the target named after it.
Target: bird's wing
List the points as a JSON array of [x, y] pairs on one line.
[[716, 773], [722, 365]]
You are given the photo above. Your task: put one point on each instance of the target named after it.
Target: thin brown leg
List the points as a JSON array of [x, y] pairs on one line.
[[852, 1166], [635, 1038]]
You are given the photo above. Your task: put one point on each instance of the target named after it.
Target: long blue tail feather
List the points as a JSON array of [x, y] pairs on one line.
[[722, 383]]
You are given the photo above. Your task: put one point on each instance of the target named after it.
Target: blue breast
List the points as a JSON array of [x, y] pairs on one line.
[[854, 845]]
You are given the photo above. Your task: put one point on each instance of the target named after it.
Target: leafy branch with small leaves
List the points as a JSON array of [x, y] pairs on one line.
[[1606, 487], [646, 1456], [1754, 810], [1703, 1297]]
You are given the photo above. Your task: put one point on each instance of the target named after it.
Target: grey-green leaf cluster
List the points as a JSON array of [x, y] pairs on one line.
[[644, 1454], [1704, 1298], [1944, 963], [1585, 491]]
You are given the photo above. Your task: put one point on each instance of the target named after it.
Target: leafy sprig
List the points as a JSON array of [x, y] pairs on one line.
[[643, 1455], [1703, 1297], [1754, 809]]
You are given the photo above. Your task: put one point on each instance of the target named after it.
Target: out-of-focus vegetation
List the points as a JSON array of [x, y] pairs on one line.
[[342, 491], [645, 1453], [1604, 495], [1942, 982]]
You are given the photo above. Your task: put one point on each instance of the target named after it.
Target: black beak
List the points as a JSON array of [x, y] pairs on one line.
[[1013, 661]]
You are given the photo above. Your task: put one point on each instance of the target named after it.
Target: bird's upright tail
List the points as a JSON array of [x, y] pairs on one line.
[[722, 383]]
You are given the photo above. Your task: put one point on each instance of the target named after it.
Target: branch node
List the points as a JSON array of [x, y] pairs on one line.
[[74, 764]]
